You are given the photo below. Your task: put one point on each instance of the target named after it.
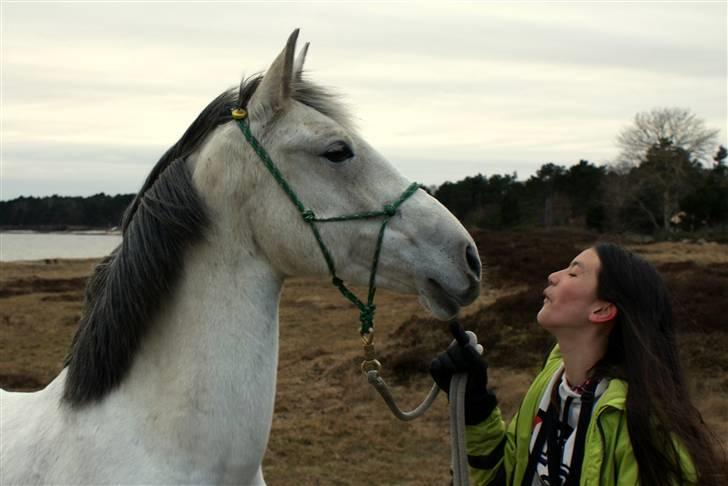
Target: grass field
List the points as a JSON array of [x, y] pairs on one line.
[[329, 426]]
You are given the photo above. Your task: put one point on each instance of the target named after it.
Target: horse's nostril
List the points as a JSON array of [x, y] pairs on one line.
[[473, 261]]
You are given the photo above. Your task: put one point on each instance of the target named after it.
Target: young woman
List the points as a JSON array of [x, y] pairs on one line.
[[610, 406]]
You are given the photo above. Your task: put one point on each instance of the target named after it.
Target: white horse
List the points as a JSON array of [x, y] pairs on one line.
[[171, 376]]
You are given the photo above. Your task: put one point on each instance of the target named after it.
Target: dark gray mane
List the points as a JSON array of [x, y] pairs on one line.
[[166, 218]]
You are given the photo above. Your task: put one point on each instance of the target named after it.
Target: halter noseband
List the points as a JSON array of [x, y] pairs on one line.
[[366, 311]]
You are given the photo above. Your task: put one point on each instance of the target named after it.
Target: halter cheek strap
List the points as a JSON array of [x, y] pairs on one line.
[[366, 310]]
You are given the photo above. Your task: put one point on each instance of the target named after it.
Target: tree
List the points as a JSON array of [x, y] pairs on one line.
[[543, 189], [719, 167], [707, 205], [677, 125], [582, 184], [462, 197], [664, 177], [667, 146], [97, 211]]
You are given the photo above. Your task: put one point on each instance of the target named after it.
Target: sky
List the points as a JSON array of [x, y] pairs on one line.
[[93, 93]]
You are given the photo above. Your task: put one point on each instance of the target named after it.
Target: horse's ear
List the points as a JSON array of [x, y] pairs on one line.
[[298, 63], [275, 88]]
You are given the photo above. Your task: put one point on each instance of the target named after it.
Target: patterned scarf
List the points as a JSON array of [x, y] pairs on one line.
[[562, 434]]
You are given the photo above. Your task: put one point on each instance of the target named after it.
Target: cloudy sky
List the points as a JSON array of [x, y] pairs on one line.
[[93, 93]]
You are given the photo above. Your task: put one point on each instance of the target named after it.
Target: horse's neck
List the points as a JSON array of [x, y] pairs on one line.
[[207, 368]]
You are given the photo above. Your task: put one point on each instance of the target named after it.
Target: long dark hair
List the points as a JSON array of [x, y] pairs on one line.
[[642, 350]]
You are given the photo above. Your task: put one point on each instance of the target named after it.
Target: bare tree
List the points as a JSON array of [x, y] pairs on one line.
[[679, 126], [664, 148]]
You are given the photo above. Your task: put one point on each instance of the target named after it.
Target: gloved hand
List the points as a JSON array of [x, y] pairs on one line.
[[464, 356]]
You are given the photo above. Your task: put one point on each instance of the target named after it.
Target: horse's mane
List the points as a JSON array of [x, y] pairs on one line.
[[165, 218]]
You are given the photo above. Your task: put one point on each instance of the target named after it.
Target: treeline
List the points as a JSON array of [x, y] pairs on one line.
[[666, 191], [61, 212]]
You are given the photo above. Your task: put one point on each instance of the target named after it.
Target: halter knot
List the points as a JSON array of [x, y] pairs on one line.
[[390, 210], [308, 216], [337, 281], [366, 316]]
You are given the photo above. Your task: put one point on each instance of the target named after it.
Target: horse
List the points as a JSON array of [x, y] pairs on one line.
[[171, 376]]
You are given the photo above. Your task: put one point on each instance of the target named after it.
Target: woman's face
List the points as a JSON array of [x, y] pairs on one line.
[[571, 296]]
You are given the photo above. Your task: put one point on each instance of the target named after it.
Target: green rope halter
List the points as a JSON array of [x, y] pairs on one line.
[[366, 311]]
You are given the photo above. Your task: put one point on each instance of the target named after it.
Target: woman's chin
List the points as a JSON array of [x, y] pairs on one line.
[[543, 318]]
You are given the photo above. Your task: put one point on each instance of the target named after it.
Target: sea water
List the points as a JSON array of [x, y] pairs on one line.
[[30, 245]]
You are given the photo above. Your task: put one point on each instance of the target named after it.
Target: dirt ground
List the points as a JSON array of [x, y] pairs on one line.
[[329, 427]]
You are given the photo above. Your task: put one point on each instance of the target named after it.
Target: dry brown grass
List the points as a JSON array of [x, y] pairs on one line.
[[40, 304], [329, 427], [698, 253]]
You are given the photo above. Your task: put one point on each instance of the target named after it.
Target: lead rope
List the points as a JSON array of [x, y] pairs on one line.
[[458, 453], [371, 365]]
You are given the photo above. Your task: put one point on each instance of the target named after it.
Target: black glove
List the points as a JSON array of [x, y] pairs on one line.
[[462, 356]]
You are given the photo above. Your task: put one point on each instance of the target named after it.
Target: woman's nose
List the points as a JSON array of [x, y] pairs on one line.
[[552, 280]]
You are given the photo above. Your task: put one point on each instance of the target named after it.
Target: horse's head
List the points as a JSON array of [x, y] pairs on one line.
[[334, 172]]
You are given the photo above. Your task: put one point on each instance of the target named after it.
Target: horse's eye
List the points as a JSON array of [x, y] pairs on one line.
[[338, 152]]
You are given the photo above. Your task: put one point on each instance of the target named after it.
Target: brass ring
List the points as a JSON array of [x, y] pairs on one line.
[[370, 365], [239, 114]]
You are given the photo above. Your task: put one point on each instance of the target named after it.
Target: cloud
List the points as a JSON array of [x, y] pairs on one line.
[[75, 169], [459, 90]]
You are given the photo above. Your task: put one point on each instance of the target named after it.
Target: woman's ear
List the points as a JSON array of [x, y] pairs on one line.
[[603, 313]]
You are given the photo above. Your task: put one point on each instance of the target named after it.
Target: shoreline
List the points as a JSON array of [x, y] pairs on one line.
[[45, 231], [49, 261]]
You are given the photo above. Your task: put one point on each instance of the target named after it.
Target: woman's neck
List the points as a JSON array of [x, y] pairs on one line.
[[580, 353]]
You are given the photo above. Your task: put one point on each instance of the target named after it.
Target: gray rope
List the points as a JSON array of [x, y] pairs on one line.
[[458, 456], [457, 430], [378, 383]]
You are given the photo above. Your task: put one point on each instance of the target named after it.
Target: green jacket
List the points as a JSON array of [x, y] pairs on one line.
[[608, 457]]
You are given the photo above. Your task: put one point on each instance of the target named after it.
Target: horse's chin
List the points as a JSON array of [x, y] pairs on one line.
[[437, 302]]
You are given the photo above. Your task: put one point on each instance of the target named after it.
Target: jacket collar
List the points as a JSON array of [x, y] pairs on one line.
[[615, 396]]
